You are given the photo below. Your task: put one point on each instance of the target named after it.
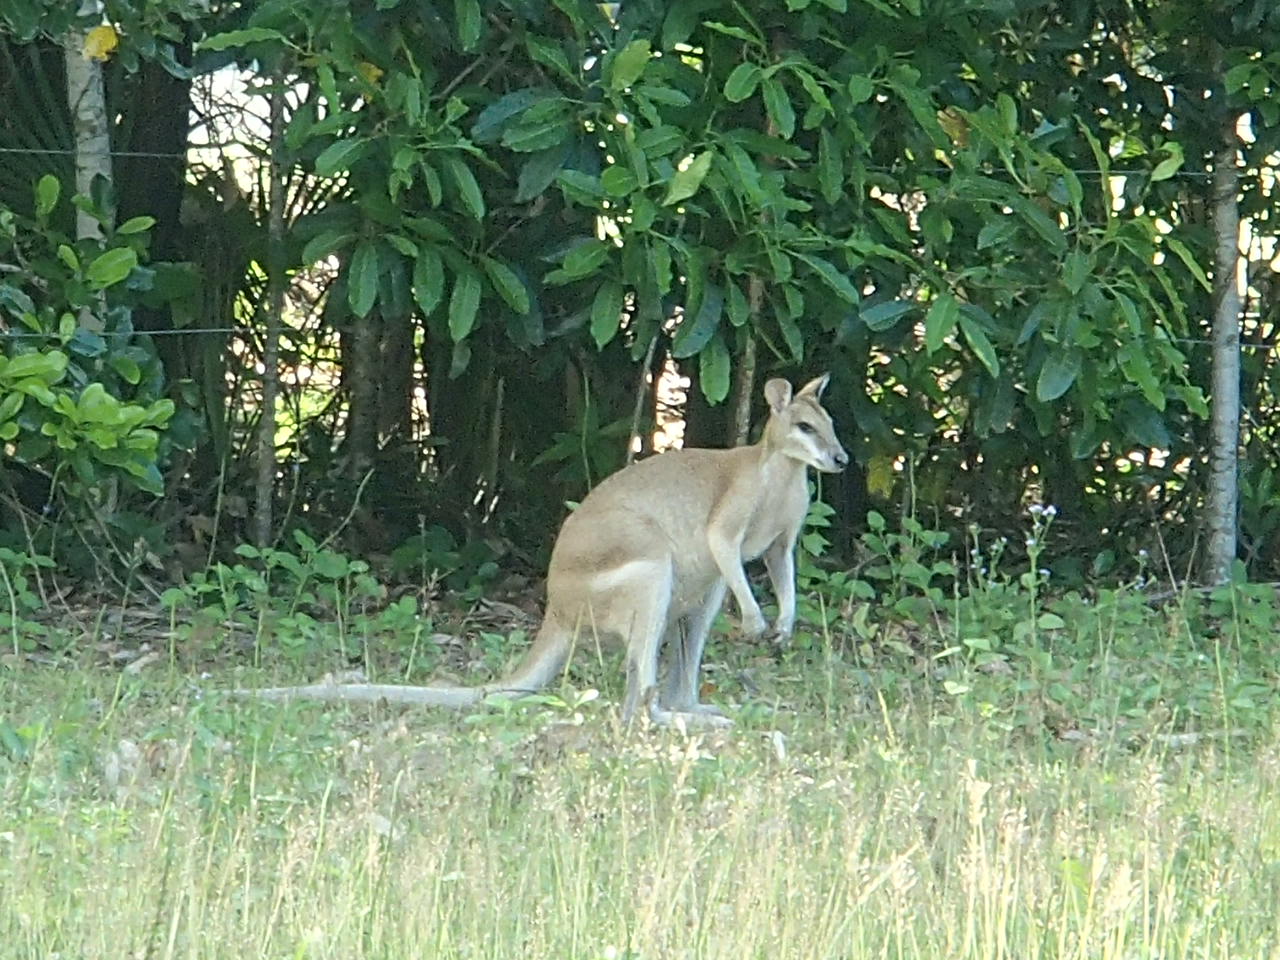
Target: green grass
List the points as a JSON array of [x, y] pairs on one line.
[[150, 817]]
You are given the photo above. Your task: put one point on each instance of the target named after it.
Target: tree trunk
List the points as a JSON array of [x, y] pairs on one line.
[[1222, 507], [396, 383], [265, 493], [362, 392], [740, 424], [91, 129]]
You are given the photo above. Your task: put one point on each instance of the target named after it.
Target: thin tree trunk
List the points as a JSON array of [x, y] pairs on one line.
[[88, 105], [265, 493], [362, 393], [745, 387], [1222, 507], [643, 392]]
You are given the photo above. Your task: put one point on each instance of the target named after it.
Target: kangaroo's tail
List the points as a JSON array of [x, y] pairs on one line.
[[546, 658]]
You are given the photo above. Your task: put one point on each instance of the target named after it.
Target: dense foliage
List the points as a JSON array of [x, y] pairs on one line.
[[989, 220]]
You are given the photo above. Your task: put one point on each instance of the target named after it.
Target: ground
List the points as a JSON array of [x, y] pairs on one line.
[[145, 814]]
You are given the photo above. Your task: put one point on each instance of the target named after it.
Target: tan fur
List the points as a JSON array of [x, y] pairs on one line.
[[648, 556]]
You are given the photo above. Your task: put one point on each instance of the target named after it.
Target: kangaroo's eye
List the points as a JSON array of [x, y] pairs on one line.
[[805, 427]]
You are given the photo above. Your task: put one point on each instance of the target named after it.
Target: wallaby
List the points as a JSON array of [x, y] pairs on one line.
[[648, 555]]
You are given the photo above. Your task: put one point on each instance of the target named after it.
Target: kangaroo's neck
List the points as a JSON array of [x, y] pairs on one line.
[[773, 466]]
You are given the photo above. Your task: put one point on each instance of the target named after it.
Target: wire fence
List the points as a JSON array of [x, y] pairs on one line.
[[876, 168], [250, 331]]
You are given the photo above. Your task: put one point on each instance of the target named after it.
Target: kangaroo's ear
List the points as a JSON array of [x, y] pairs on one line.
[[778, 393], [815, 387]]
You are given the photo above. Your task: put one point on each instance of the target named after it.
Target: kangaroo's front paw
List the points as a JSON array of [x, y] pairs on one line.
[[754, 625], [701, 717], [780, 634]]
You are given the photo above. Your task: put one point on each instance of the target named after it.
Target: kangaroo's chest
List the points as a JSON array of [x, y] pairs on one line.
[[779, 514]]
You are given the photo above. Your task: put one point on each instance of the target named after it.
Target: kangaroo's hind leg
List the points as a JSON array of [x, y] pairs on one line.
[[686, 640], [636, 609]]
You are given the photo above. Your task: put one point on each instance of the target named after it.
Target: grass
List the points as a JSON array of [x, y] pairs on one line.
[[148, 816]]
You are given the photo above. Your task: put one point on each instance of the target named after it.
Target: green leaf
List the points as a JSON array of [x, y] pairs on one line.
[[111, 267], [507, 284], [685, 183], [1136, 367], [324, 244], [1075, 270], [694, 333], [940, 321], [431, 180], [531, 137], [428, 280], [778, 106], [136, 225], [1058, 373], [467, 13], [1239, 76], [362, 278], [492, 119], [980, 344], [833, 278], [463, 304], [548, 53], [830, 167], [1170, 165], [745, 174], [618, 181], [339, 156], [660, 141], [731, 31], [791, 334], [580, 187], [127, 368], [11, 405], [68, 256], [1166, 168], [465, 182], [402, 244], [240, 38], [1144, 424], [47, 367], [860, 88], [814, 89], [668, 95], [1008, 113], [585, 259], [1040, 222], [781, 264], [47, 191], [629, 64], [539, 171], [606, 312], [16, 301], [1180, 249], [742, 82], [713, 370], [882, 316], [995, 232]]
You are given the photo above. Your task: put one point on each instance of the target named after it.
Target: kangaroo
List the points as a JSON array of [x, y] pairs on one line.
[[648, 557]]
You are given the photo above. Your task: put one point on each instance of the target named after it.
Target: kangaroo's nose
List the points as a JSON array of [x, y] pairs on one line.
[[842, 460]]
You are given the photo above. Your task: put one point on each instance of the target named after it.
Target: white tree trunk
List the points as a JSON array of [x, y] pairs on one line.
[[91, 129], [1222, 510], [89, 122]]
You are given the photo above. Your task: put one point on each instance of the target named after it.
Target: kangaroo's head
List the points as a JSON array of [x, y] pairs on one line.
[[800, 428]]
